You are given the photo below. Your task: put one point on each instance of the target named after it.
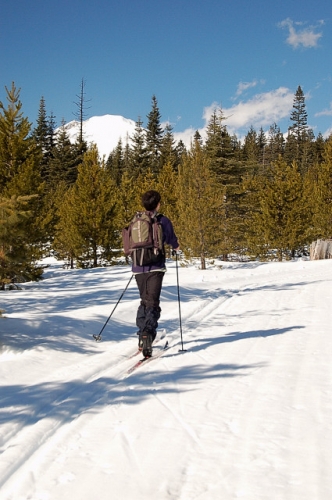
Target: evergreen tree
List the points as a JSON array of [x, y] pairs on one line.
[[87, 227], [63, 164], [299, 116], [44, 135], [16, 147], [300, 138], [127, 200], [115, 163], [251, 150], [16, 258], [281, 222], [214, 144], [200, 207], [219, 149], [144, 182], [322, 206], [275, 144], [166, 186], [80, 113], [20, 177], [181, 150], [197, 139], [168, 151], [319, 148], [154, 135], [138, 156], [261, 145]]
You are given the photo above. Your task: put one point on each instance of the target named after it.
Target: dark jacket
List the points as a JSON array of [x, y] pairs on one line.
[[169, 238]]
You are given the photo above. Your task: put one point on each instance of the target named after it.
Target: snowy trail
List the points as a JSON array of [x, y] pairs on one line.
[[244, 413]]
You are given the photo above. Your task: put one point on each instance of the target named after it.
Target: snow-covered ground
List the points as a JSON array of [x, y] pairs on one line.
[[245, 413]]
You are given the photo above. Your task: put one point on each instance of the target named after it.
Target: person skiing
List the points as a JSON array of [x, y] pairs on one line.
[[149, 277]]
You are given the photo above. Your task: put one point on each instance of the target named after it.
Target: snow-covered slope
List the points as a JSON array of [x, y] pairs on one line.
[[105, 131], [245, 413]]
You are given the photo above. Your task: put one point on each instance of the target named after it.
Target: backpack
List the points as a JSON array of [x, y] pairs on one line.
[[143, 239]]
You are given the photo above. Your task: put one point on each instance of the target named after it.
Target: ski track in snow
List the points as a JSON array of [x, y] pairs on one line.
[[242, 414]]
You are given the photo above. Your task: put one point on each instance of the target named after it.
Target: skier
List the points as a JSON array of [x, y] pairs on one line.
[[149, 278]]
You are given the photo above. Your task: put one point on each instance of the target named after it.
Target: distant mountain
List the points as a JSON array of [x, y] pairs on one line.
[[105, 131]]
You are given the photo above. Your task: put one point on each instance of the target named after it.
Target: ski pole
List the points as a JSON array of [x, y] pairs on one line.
[[98, 337], [179, 301]]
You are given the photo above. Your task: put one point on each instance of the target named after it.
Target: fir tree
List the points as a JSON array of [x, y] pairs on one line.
[[300, 138], [138, 156], [319, 148], [299, 116], [80, 113], [275, 144], [168, 150], [154, 134], [115, 163], [251, 150], [214, 143], [63, 164]]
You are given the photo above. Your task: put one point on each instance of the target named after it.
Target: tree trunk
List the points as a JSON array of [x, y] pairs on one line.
[[321, 249]]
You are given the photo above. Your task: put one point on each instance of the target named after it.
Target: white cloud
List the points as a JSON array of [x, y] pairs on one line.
[[306, 37], [187, 136], [260, 111], [243, 86], [325, 112], [328, 133]]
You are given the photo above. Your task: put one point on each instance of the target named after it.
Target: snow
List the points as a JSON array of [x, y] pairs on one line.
[[105, 131], [244, 413]]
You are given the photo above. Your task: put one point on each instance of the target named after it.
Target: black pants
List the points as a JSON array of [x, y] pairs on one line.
[[148, 313]]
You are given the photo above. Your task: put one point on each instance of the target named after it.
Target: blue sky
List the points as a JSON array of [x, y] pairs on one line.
[[247, 56]]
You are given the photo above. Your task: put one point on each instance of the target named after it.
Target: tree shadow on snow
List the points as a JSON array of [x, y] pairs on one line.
[[66, 401], [205, 342]]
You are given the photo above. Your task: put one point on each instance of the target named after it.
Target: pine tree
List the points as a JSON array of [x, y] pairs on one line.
[[144, 182], [322, 206], [115, 163], [200, 207], [281, 222], [319, 148], [166, 186], [63, 164], [154, 135], [138, 156], [299, 142], [214, 143], [299, 116], [275, 145], [251, 150], [44, 135], [81, 110], [168, 150], [220, 150], [16, 259], [20, 177], [16, 147], [87, 227], [127, 200]]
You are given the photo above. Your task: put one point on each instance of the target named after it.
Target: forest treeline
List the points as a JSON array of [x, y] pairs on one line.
[[265, 197]]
